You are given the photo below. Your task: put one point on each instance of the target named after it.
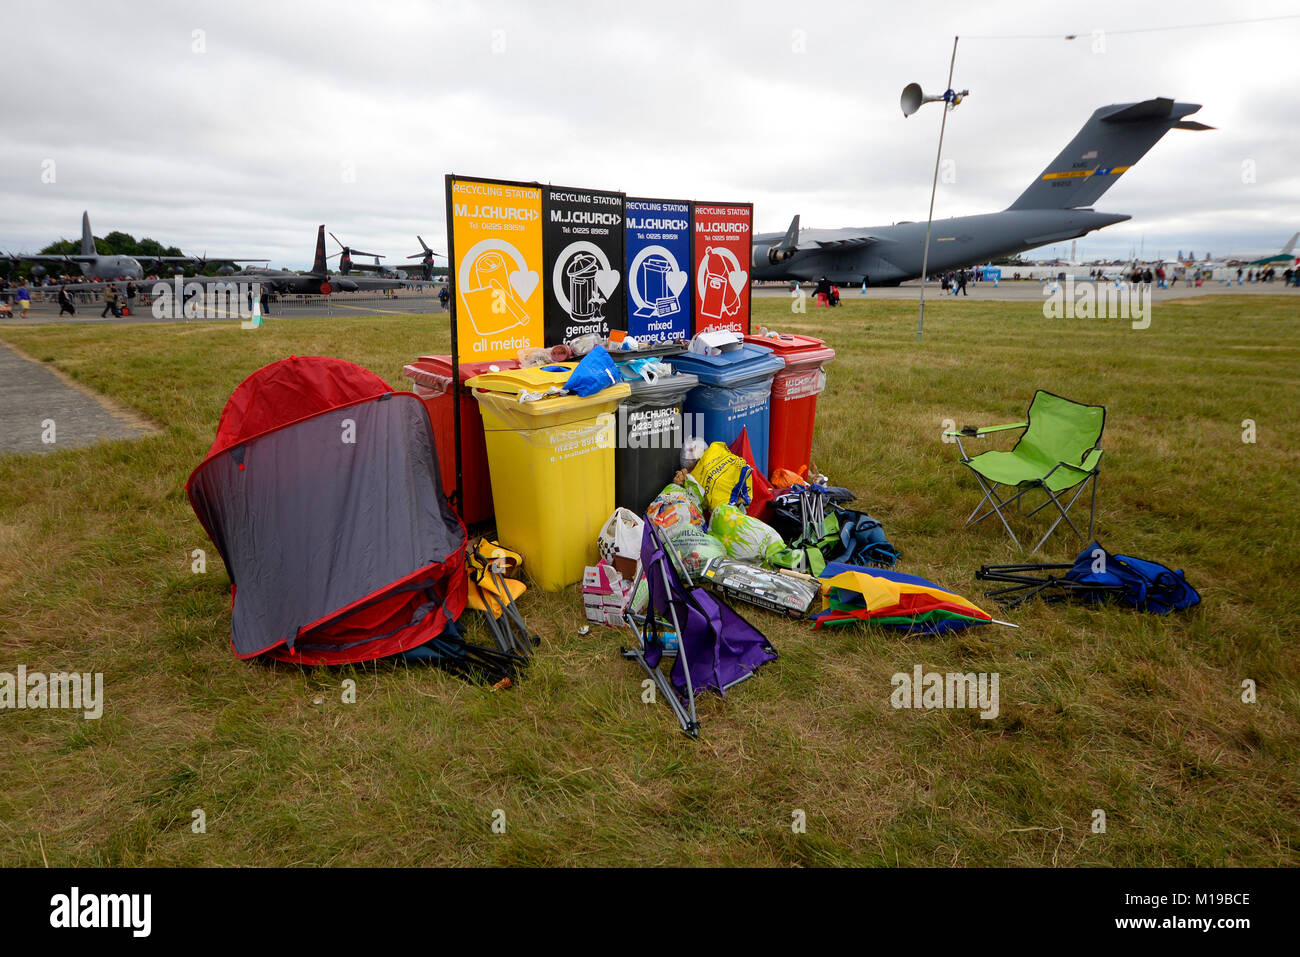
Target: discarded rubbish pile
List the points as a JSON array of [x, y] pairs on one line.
[[652, 475]]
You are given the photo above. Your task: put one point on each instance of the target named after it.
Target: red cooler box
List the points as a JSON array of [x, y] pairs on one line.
[[432, 378], [794, 397]]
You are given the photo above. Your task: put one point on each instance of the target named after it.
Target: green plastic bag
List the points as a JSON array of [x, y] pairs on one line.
[[749, 540]]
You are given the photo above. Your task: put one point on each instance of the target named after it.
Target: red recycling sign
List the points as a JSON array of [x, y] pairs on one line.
[[722, 240]]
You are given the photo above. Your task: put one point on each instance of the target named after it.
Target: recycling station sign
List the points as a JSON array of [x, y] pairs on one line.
[[722, 234], [582, 242], [494, 235], [658, 268]]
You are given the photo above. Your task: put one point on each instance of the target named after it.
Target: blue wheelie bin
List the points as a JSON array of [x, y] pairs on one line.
[[734, 393]]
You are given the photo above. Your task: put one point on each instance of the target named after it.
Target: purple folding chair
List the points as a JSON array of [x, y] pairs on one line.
[[716, 647]]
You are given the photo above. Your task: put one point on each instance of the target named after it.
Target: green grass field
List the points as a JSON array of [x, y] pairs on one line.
[[1108, 709]]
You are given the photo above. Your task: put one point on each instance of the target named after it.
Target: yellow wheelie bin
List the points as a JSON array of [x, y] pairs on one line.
[[552, 466]]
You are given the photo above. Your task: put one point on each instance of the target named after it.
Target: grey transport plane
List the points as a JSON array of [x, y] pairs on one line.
[[94, 265], [1057, 206]]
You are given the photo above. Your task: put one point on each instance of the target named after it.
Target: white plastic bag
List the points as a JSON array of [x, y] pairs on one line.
[[620, 538]]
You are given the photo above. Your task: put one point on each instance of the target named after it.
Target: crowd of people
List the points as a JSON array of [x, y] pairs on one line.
[[120, 298], [955, 282]]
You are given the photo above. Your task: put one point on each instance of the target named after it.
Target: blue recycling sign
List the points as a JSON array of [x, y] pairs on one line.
[[658, 262]]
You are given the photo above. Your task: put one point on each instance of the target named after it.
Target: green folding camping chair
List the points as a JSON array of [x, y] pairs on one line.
[[1059, 451]]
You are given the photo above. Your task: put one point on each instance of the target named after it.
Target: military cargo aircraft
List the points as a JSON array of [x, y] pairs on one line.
[[313, 283], [94, 265], [1057, 206]]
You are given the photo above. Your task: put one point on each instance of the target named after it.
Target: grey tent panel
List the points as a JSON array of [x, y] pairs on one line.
[[323, 513]]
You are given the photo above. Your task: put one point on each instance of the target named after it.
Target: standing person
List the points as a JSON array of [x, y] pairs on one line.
[[110, 300], [24, 298], [943, 283], [130, 294], [835, 295], [265, 299], [823, 292], [443, 297], [961, 283], [65, 303]]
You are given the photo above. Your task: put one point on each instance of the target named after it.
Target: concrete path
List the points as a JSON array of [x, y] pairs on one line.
[[41, 412]]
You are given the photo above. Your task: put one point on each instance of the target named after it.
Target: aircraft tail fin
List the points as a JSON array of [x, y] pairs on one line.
[[87, 237], [1113, 140], [318, 264], [1289, 248], [791, 239]]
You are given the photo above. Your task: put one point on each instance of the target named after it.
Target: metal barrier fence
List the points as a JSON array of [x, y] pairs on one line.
[[340, 303], [350, 302]]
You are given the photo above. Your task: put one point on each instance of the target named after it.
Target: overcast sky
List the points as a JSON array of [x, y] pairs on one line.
[[237, 127]]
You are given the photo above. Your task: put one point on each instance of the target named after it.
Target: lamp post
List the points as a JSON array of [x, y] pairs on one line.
[[911, 101]]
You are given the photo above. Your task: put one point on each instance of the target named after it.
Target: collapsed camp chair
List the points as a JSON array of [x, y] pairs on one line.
[[716, 648], [493, 590], [1059, 450], [1096, 575]]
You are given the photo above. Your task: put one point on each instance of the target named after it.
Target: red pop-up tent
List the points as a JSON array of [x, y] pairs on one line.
[[321, 493]]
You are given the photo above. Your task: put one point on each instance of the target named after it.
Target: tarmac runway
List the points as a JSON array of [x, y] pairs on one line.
[[409, 303], [340, 304]]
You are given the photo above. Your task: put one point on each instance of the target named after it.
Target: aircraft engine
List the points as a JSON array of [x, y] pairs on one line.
[[38, 271], [227, 270], [771, 256]]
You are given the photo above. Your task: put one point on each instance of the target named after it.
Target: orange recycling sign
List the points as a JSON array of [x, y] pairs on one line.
[[495, 229]]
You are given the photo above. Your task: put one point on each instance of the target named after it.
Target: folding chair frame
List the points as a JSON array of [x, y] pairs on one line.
[[685, 713], [1025, 584]]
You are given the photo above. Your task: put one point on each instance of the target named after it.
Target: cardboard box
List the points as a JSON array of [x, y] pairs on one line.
[[603, 594]]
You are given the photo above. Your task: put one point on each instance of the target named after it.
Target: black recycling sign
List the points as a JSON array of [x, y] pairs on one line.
[[582, 250]]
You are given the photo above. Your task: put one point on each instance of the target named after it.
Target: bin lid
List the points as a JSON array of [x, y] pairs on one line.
[[659, 350], [509, 383], [441, 366], [736, 366], [796, 350], [668, 388]]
